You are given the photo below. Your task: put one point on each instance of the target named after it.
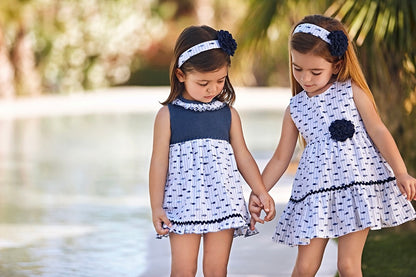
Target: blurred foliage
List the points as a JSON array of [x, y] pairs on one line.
[[80, 44], [87, 44], [263, 37], [73, 45]]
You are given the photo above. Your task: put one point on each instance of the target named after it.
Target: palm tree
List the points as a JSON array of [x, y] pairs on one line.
[[384, 32]]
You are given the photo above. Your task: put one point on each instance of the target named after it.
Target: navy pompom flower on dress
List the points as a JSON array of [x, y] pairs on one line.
[[339, 43], [227, 43], [341, 130]]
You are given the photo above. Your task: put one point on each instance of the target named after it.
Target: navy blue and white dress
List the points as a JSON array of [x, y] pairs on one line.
[[203, 191], [342, 184]]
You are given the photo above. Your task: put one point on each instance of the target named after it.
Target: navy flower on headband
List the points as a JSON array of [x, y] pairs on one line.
[[227, 43], [341, 129], [339, 43]]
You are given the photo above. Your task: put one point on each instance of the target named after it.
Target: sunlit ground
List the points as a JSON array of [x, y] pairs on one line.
[[73, 179]]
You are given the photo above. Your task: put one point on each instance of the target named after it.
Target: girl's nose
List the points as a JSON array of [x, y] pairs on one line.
[[305, 77], [211, 89]]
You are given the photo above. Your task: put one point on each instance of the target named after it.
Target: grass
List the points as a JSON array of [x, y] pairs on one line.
[[391, 252]]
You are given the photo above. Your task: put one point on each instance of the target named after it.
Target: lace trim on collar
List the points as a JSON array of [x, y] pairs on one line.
[[199, 107]]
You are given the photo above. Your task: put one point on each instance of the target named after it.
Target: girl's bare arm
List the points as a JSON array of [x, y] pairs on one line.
[[248, 166], [283, 153], [277, 164], [384, 142], [159, 168]]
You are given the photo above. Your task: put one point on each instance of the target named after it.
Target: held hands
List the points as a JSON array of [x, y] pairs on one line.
[[258, 203], [159, 219], [407, 186]]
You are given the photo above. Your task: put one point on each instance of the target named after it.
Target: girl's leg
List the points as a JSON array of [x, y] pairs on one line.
[[309, 258], [217, 247], [350, 250], [184, 249]]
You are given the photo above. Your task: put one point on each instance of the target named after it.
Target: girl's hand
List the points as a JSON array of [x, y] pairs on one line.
[[407, 185], [159, 219], [262, 202], [268, 206], [254, 207]]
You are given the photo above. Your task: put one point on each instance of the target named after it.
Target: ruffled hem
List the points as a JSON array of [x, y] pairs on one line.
[[306, 240], [342, 187], [331, 214], [240, 227]]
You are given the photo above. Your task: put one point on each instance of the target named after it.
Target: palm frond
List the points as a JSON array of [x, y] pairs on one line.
[[260, 16], [390, 22]]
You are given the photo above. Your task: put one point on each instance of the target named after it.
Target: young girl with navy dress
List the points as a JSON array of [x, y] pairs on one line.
[[198, 155], [351, 177]]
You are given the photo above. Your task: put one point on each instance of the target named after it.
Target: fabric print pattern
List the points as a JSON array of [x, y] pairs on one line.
[[203, 191], [342, 184]]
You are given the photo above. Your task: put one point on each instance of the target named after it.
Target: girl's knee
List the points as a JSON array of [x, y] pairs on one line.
[[215, 272], [305, 269], [349, 268], [183, 274], [183, 271]]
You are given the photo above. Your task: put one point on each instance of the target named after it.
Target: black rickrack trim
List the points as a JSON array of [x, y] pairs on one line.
[[195, 222], [343, 187]]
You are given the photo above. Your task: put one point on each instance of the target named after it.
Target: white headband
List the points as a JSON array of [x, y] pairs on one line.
[[194, 50], [313, 30]]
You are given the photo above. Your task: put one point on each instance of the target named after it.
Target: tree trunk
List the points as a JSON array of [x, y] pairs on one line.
[[28, 81], [7, 89]]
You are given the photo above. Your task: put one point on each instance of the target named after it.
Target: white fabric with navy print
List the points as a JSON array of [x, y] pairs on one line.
[[203, 191], [342, 184]]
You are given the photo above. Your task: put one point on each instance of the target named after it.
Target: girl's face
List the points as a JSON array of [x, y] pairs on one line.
[[312, 72], [202, 86]]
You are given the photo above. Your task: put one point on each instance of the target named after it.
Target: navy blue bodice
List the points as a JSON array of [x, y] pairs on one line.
[[191, 120]]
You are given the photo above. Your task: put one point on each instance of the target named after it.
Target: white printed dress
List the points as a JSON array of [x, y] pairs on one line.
[[342, 184], [203, 191]]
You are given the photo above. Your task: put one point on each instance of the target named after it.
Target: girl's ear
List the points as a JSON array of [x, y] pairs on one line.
[[180, 75]]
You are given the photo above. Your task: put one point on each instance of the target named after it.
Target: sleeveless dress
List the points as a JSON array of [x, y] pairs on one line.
[[342, 184], [203, 191]]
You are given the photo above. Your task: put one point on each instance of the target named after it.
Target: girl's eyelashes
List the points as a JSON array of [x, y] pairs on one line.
[[205, 84], [315, 73]]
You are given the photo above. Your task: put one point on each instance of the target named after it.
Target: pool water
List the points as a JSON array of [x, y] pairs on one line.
[[74, 192]]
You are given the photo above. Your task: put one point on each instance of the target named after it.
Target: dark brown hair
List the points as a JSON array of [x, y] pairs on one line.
[[203, 62]]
